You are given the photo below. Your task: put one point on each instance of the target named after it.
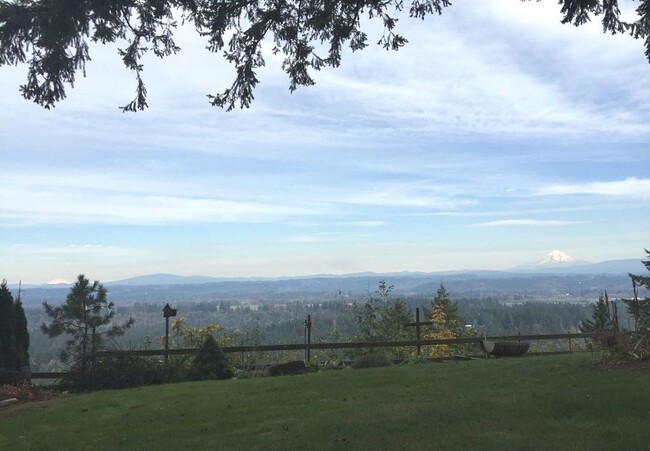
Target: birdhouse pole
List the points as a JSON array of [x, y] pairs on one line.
[[167, 313]]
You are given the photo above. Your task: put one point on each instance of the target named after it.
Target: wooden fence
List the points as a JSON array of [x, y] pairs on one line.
[[307, 346]]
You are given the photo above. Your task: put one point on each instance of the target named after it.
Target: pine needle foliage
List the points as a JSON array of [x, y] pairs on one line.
[[22, 333], [640, 308], [53, 37], [8, 350], [604, 317]]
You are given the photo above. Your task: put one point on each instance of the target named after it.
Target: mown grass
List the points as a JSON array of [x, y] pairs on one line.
[[535, 403]]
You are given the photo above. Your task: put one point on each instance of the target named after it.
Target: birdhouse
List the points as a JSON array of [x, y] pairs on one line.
[[168, 311]]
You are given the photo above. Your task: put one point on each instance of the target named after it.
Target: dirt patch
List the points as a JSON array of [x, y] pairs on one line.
[[25, 392]]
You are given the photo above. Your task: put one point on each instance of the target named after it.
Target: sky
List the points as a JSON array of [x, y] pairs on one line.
[[494, 137]]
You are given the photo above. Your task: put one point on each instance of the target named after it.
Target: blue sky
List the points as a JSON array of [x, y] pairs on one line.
[[494, 137]]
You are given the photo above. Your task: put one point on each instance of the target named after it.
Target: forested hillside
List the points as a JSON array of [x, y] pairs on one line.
[[334, 320]]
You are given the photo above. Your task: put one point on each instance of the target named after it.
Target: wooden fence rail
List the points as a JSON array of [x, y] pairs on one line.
[[346, 345], [363, 344]]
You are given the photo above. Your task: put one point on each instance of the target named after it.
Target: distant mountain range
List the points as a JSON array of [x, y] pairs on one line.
[[554, 263], [625, 266], [555, 278], [165, 279]]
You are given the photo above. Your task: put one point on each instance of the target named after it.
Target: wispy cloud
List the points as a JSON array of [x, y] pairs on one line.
[[363, 223], [490, 86], [69, 208], [77, 250], [527, 223], [327, 237], [407, 195], [304, 238], [630, 187]]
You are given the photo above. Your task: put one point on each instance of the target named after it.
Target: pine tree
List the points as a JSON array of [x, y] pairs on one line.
[[447, 323], [442, 301], [602, 319], [21, 333], [640, 308], [86, 316]]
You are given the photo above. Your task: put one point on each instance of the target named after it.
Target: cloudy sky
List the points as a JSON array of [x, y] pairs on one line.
[[494, 137]]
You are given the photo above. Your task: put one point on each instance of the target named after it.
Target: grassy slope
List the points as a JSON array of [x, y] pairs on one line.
[[530, 403]]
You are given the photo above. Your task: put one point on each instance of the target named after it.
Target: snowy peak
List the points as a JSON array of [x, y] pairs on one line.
[[59, 282], [555, 257]]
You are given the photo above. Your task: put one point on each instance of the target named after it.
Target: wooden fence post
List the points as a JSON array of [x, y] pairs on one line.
[[418, 324], [417, 329], [308, 338]]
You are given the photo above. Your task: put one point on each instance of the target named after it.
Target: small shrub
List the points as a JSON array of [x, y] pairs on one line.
[[414, 360], [211, 362], [371, 360], [312, 366], [332, 364]]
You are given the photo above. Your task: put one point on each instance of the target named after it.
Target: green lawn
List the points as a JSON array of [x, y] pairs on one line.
[[535, 403]]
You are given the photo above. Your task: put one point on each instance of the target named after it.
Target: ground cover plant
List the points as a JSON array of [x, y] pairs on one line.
[[549, 402]]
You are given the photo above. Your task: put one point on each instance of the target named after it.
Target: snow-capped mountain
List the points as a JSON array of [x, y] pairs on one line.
[[556, 257], [553, 261]]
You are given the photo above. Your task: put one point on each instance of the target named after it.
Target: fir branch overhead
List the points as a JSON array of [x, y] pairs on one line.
[[52, 36]]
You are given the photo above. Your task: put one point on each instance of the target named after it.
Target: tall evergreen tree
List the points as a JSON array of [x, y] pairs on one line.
[[21, 333], [8, 356], [382, 319]]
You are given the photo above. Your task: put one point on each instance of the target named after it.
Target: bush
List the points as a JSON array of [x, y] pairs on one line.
[[288, 368], [123, 371], [211, 362], [371, 360], [634, 347], [332, 364]]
